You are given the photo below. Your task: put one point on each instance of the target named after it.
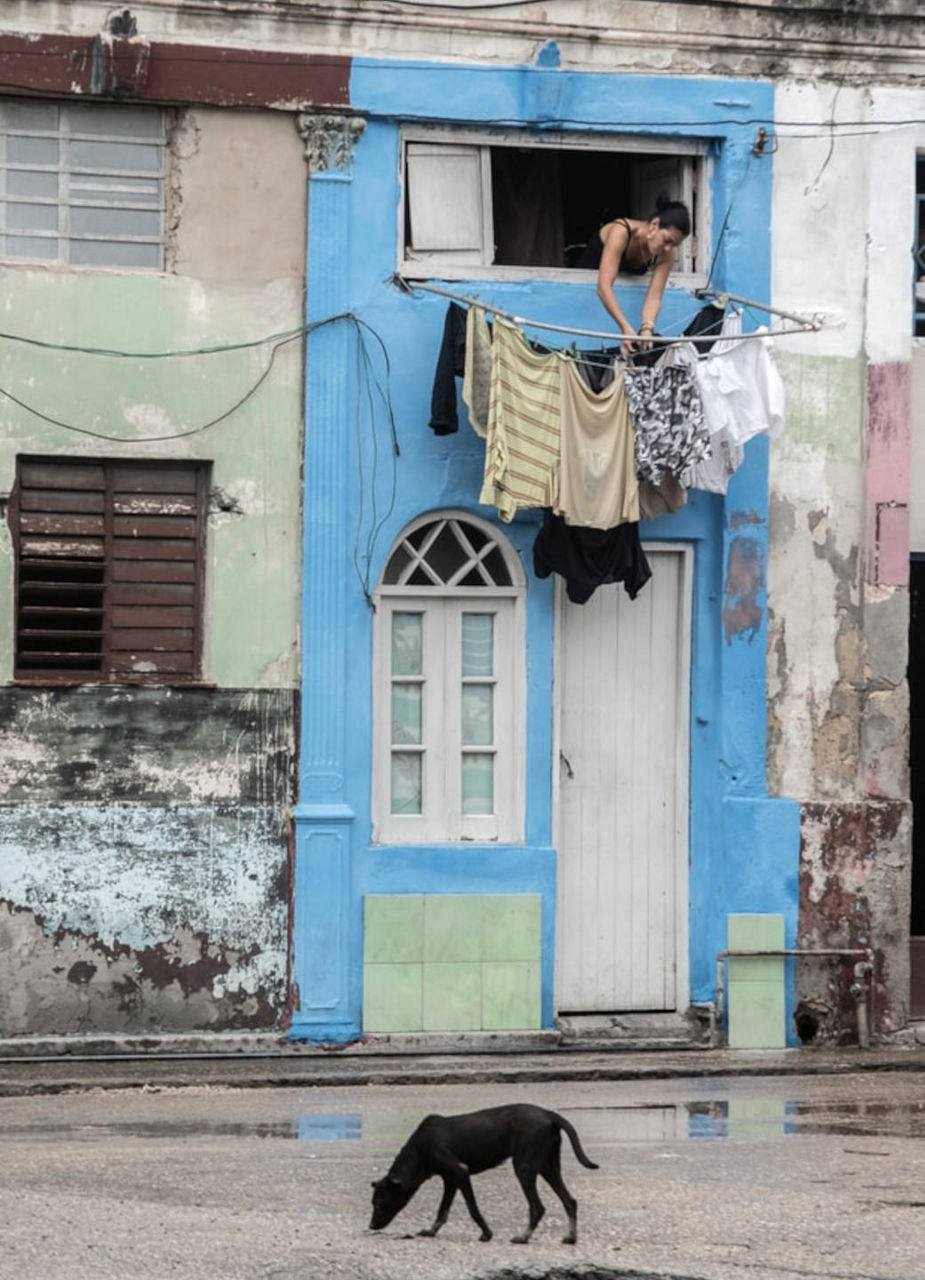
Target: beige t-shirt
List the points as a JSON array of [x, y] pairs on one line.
[[597, 472]]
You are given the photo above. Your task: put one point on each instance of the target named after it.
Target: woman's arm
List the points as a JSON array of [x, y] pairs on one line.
[[615, 243], [655, 293]]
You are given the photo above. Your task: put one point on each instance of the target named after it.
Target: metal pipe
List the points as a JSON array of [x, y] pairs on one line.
[[862, 970], [721, 294], [409, 286]]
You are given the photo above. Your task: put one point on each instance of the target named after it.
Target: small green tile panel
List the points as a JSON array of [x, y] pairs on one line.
[[451, 962], [756, 994]]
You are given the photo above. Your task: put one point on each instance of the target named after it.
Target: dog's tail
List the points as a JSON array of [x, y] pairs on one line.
[[567, 1127]]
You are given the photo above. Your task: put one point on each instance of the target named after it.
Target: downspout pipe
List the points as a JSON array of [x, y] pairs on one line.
[[860, 988]]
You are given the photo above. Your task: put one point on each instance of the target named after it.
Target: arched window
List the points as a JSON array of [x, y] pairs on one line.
[[449, 677]]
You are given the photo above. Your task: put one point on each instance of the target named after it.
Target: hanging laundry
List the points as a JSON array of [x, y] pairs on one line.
[[667, 415], [450, 365], [588, 558], [597, 367], [743, 396], [661, 499], [597, 474], [522, 444], [476, 389], [743, 373], [708, 320]]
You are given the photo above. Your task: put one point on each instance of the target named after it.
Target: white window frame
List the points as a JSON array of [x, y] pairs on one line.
[[66, 132], [475, 262], [442, 605]]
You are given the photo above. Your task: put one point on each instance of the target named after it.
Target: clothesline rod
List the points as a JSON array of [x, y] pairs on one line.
[[814, 324], [656, 339]]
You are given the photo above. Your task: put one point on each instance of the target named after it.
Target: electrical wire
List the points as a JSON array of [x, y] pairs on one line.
[[192, 431]]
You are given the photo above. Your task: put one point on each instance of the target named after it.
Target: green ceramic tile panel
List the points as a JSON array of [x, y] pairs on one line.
[[756, 986], [754, 932], [393, 928], [392, 997], [759, 933], [511, 996], [451, 962], [756, 1015], [452, 997], [452, 927], [511, 927]]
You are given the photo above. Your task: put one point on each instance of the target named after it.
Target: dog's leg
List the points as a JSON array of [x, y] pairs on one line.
[[443, 1209], [554, 1177], [465, 1187], [526, 1176]]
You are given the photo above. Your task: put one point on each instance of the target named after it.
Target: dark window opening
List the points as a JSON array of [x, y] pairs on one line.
[[109, 560], [549, 204], [478, 203], [916, 676]]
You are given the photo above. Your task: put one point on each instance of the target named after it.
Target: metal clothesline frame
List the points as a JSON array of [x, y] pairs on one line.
[[802, 324]]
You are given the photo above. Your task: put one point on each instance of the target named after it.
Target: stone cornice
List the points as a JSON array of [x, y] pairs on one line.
[[859, 41]]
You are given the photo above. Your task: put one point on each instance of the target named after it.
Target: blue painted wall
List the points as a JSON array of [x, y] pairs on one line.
[[360, 495]]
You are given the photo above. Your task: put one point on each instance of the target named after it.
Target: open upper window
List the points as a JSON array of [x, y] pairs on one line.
[[109, 569], [82, 184], [507, 205], [449, 674]]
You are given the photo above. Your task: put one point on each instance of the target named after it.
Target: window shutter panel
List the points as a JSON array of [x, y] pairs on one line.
[[446, 201], [109, 560]]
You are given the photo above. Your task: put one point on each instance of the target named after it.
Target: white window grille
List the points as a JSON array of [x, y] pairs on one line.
[[449, 686], [505, 205], [82, 184]]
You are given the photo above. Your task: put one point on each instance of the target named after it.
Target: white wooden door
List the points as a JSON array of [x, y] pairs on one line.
[[623, 703]]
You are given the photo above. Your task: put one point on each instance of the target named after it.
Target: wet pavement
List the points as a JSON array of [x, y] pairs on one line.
[[718, 1178]]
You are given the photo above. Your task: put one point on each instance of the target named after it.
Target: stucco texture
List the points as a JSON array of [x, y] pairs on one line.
[[144, 832]]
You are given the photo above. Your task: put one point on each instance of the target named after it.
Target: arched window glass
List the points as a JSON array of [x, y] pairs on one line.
[[449, 685]]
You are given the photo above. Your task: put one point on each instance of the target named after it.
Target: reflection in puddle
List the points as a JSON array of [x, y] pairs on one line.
[[751, 1119], [329, 1128], [709, 1120]]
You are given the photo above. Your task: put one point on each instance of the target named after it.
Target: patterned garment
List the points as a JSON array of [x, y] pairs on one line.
[[668, 420]]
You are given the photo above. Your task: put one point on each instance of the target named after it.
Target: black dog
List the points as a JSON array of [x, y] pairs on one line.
[[453, 1147]]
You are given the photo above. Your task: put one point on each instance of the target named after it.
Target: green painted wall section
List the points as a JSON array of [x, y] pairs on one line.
[[825, 403], [253, 538]]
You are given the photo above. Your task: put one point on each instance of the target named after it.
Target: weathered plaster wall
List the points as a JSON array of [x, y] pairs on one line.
[[838, 572], [144, 833], [675, 37]]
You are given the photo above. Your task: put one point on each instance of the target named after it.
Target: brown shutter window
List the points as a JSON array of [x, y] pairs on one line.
[[109, 562]]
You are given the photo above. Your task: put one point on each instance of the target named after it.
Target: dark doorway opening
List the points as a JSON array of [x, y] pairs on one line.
[[917, 782]]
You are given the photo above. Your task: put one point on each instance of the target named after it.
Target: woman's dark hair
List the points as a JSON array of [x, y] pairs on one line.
[[672, 213]]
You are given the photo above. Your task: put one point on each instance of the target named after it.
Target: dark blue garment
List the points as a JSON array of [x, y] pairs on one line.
[[450, 366]]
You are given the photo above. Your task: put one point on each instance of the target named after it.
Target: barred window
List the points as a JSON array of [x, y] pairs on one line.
[[82, 184], [109, 569]]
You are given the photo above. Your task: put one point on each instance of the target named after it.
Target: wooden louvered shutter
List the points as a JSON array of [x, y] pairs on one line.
[[109, 558]]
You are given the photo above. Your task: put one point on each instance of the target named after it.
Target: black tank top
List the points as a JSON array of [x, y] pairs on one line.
[[593, 251]]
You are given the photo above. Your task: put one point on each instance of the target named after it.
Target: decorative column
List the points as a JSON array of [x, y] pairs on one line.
[[323, 818]]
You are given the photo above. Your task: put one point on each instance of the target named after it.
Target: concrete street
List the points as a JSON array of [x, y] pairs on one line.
[[734, 1176]]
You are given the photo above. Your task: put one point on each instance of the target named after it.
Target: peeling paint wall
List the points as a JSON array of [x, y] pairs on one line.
[[839, 538], [144, 832]]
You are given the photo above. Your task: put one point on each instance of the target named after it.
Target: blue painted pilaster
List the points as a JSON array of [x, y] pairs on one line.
[[323, 819]]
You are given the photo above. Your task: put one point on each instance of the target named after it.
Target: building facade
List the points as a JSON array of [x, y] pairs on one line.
[[503, 807]]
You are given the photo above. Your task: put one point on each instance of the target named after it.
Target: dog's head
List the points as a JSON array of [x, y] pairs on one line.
[[389, 1197]]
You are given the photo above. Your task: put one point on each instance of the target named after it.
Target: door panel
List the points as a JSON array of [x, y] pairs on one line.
[[623, 714]]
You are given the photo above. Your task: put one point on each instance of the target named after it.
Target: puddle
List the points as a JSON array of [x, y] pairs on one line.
[[728, 1119], [755, 1119]]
